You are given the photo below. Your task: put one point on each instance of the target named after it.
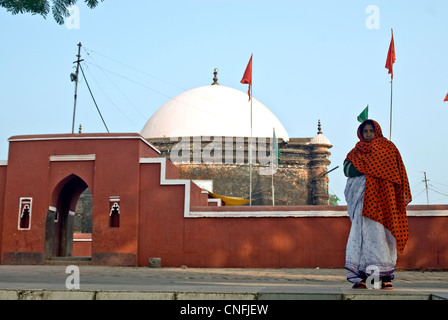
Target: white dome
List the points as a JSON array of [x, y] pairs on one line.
[[213, 110], [320, 139]]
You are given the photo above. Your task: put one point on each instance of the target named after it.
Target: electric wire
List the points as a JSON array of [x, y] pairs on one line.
[[110, 100], [87, 83], [135, 69], [217, 116], [433, 190], [128, 79], [117, 87], [209, 98]]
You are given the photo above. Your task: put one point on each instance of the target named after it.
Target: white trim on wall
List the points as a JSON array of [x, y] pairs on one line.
[[165, 181], [253, 213], [83, 137], [72, 157]]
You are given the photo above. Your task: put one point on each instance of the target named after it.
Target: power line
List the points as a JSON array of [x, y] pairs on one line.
[[218, 116], [444, 194], [442, 184], [82, 71], [415, 196], [129, 79], [135, 69], [110, 100], [117, 87], [144, 85]]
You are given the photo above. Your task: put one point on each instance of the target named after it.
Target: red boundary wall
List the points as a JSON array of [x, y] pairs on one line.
[[289, 242], [164, 217]]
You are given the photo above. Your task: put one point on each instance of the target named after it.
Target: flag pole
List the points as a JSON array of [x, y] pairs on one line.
[[273, 154], [250, 149], [389, 65], [390, 129], [273, 188], [247, 79]]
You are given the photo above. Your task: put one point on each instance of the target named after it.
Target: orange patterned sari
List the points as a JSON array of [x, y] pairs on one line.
[[387, 191]]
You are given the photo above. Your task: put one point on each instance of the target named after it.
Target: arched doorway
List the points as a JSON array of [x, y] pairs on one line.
[[82, 226], [60, 223]]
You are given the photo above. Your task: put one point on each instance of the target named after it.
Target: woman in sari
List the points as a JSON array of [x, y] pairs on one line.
[[377, 193]]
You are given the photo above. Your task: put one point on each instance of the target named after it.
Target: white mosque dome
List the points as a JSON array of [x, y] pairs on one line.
[[213, 110]]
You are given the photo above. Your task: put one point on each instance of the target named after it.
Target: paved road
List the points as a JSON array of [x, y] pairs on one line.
[[98, 282]]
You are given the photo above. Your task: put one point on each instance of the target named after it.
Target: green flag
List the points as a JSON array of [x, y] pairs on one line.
[[275, 148], [363, 116]]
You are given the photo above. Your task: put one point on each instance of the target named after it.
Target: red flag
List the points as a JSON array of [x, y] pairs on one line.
[[247, 77], [446, 98], [391, 56]]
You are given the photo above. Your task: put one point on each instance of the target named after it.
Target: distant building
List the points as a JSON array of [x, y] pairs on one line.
[[206, 132]]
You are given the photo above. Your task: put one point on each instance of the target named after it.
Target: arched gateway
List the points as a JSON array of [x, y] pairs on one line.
[[60, 217], [39, 195]]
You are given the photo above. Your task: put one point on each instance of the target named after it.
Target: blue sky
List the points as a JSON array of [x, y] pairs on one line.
[[312, 60]]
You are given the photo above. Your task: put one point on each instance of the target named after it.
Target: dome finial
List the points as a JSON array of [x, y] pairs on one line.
[[320, 138], [215, 78]]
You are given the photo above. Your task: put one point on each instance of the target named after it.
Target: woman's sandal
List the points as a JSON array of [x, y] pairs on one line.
[[360, 285], [387, 285]]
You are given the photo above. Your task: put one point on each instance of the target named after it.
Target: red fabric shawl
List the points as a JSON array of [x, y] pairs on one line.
[[387, 191]]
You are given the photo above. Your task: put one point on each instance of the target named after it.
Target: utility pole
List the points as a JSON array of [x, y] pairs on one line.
[[426, 185], [74, 77]]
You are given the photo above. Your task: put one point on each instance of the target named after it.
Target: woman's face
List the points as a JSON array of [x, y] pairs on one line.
[[368, 132]]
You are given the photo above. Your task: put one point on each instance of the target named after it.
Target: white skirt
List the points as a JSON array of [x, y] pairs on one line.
[[369, 243]]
